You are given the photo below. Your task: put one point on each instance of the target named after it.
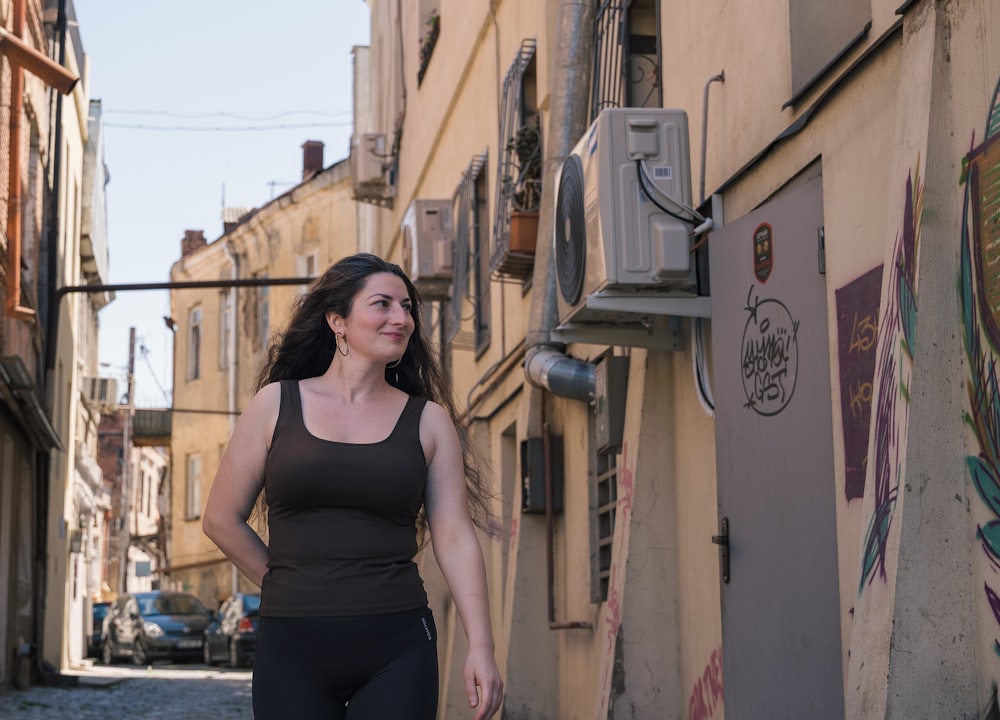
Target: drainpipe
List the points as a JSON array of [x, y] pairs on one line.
[[231, 360], [14, 307], [546, 365], [22, 56]]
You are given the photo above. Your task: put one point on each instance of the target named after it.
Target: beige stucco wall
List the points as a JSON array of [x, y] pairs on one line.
[[866, 126], [316, 218]]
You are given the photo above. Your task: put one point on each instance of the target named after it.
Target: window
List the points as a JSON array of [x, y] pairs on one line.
[[430, 29], [470, 295], [194, 344], [305, 266], [819, 35], [192, 487], [519, 119], [480, 256], [605, 502], [262, 313], [225, 327], [626, 56]]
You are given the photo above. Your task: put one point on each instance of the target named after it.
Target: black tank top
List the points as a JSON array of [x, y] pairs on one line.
[[342, 518]]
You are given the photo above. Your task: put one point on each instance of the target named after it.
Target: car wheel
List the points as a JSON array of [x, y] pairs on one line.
[[236, 658], [139, 653], [106, 655]]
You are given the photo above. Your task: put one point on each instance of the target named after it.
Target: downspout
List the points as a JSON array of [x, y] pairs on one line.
[[14, 307], [546, 365], [231, 360], [22, 56]]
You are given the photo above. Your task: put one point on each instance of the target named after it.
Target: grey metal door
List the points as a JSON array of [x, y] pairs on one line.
[[781, 642]]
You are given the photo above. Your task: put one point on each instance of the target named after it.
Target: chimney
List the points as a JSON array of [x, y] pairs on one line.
[[312, 158], [192, 241]]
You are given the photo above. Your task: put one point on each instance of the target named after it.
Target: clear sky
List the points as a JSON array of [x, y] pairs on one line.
[[273, 74]]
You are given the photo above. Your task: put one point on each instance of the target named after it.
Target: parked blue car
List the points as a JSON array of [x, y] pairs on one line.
[[232, 635]]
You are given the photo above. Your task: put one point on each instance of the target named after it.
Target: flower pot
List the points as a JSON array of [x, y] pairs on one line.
[[523, 232]]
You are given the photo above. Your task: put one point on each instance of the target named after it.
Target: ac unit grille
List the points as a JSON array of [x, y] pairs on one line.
[[571, 231]]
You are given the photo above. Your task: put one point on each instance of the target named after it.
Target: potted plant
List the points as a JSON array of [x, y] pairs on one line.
[[525, 186]]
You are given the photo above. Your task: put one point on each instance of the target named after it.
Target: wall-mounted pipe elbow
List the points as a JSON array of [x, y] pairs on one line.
[[560, 374]]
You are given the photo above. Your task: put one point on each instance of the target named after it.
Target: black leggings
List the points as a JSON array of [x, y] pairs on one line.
[[357, 668]]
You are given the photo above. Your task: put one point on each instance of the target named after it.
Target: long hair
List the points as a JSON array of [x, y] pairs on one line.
[[307, 346]]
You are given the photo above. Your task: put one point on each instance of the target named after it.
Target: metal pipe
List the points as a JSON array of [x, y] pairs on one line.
[[183, 284], [21, 57], [560, 374], [567, 122], [721, 77], [14, 307]]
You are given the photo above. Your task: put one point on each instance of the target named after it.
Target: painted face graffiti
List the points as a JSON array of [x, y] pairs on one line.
[[770, 355]]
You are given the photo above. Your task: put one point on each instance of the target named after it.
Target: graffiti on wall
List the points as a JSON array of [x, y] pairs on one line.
[[857, 329], [980, 291], [706, 697], [896, 343], [769, 355]]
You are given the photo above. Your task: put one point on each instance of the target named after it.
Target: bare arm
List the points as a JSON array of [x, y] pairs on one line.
[[237, 484], [457, 550]]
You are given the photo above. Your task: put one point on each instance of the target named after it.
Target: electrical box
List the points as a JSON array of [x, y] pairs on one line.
[[533, 474], [610, 389]]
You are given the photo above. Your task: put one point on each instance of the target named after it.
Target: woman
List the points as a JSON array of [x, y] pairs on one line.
[[352, 438]]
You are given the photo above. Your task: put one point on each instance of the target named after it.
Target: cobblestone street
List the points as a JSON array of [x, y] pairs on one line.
[[119, 692]]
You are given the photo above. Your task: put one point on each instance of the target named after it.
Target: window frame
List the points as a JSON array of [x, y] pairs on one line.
[[195, 338]]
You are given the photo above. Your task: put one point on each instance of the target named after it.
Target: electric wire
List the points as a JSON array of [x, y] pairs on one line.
[[221, 128], [695, 218]]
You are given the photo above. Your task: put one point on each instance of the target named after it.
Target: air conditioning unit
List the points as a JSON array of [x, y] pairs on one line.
[[622, 236], [100, 392], [428, 246], [372, 173]]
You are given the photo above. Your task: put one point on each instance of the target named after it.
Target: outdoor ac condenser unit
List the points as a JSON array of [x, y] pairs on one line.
[[100, 392], [621, 228], [428, 246], [371, 176]]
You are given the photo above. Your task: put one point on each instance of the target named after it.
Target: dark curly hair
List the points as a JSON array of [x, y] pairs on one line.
[[307, 346]]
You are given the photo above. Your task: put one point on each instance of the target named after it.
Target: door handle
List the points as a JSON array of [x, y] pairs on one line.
[[722, 540]]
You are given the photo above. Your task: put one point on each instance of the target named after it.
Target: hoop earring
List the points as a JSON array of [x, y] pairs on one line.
[[392, 365], [336, 343]]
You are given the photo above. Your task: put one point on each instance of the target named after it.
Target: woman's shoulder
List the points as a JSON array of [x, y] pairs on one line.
[[435, 417], [265, 401]]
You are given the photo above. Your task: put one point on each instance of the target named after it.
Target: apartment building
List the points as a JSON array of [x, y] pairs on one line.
[[222, 333], [739, 396], [52, 198]]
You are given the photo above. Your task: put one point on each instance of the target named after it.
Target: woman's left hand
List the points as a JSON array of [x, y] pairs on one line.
[[483, 683]]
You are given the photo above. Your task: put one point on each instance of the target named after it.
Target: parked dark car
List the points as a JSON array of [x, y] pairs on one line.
[[150, 625], [232, 636], [100, 609]]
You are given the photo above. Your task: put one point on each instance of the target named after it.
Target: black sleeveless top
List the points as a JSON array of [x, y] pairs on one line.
[[342, 518]]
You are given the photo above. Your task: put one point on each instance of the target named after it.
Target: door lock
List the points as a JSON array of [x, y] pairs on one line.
[[722, 540]]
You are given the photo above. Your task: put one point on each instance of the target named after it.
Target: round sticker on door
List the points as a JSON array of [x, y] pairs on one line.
[[763, 252]]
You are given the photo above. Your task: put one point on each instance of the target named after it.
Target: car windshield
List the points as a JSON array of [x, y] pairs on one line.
[[172, 605], [251, 604]]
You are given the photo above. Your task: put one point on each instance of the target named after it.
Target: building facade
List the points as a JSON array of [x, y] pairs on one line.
[[221, 336], [739, 398], [53, 206]]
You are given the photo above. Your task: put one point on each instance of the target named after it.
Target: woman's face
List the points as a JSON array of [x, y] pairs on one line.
[[380, 322]]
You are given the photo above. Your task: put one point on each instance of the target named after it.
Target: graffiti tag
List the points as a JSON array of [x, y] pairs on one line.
[[770, 355], [706, 697]]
